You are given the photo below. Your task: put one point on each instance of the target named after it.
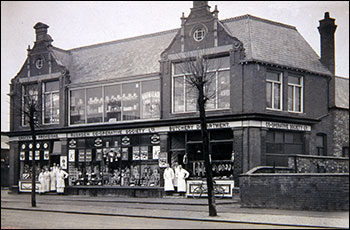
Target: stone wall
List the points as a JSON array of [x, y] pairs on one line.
[[295, 191]]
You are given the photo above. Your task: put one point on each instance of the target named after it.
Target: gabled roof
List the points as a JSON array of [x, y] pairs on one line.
[[275, 43], [264, 41], [342, 92]]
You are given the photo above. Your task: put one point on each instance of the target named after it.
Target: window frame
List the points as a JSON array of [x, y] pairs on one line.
[[179, 75], [139, 81], [273, 82], [24, 94], [324, 142], [294, 86], [51, 100]]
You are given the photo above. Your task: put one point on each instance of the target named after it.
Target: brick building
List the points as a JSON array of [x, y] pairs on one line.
[[114, 113]]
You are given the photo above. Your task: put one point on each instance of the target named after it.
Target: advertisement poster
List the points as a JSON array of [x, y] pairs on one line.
[[163, 159], [98, 154], [144, 152], [81, 155], [88, 155], [22, 156], [71, 155], [156, 150], [46, 155], [125, 154], [63, 162], [37, 155], [30, 155], [135, 153]]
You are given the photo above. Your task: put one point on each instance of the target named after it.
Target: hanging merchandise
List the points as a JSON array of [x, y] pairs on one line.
[[185, 159]]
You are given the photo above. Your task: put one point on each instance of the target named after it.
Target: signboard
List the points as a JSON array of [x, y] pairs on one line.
[[37, 155], [46, 155], [125, 154], [81, 155], [22, 156], [144, 152], [136, 153], [88, 155]]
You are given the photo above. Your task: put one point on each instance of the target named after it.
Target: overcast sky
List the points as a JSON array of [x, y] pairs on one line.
[[76, 24]]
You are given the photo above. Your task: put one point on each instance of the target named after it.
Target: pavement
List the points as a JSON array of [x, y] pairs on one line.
[[180, 208]]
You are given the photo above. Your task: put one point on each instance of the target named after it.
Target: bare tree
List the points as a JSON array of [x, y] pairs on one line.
[[30, 110], [200, 74]]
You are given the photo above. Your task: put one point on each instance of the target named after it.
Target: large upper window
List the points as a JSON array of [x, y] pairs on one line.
[[274, 90], [217, 88], [51, 103], [29, 98], [295, 93], [118, 102]]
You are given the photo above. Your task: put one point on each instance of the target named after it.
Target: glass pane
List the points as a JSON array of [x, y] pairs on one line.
[[113, 103], [294, 79], [179, 94], [297, 138], [131, 101], [51, 86], [210, 91], [179, 68], [272, 76], [77, 106], [55, 107], [268, 95], [269, 136], [94, 105], [191, 97], [298, 99], [289, 138], [47, 108], [290, 98], [278, 137], [277, 103], [219, 63], [150, 99], [224, 89], [319, 141]]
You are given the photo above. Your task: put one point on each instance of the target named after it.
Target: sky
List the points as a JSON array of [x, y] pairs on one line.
[[75, 24]]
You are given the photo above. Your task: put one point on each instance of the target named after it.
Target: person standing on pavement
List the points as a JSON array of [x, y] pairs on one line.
[[182, 175], [168, 180], [176, 172], [61, 175], [42, 182], [47, 180], [53, 179]]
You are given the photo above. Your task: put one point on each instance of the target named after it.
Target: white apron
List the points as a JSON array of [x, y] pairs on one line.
[[60, 176], [181, 180], [168, 179]]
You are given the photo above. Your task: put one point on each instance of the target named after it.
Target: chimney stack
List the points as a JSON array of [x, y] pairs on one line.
[[327, 29], [41, 33]]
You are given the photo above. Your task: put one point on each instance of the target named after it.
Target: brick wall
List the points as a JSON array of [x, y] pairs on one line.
[[319, 164], [303, 191]]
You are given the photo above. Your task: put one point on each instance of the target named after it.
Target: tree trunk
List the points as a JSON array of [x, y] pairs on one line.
[[205, 138], [33, 163]]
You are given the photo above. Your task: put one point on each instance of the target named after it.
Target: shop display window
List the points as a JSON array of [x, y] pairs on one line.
[[77, 106], [113, 103], [94, 105], [150, 99], [51, 102], [120, 160], [41, 152], [131, 101]]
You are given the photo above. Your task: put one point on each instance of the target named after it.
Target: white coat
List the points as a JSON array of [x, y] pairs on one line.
[[182, 175], [168, 179], [46, 181], [42, 182], [176, 172], [60, 176], [53, 180]]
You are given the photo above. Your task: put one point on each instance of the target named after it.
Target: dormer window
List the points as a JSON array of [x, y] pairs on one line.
[[199, 34]]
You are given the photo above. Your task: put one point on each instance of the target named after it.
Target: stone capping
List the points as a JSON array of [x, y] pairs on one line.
[[253, 172], [319, 157]]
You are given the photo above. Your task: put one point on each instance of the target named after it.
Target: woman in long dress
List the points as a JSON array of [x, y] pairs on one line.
[[182, 175], [47, 180], [60, 176], [168, 180], [53, 179]]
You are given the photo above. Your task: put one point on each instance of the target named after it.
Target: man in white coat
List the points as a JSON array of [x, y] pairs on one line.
[[182, 175], [42, 182], [168, 180], [60, 176]]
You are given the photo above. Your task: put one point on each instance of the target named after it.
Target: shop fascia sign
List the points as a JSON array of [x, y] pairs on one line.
[[175, 128]]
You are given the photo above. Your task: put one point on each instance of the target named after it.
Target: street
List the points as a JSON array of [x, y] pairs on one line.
[[85, 212]]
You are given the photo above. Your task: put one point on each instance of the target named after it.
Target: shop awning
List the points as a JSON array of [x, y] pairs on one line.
[[57, 148]]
